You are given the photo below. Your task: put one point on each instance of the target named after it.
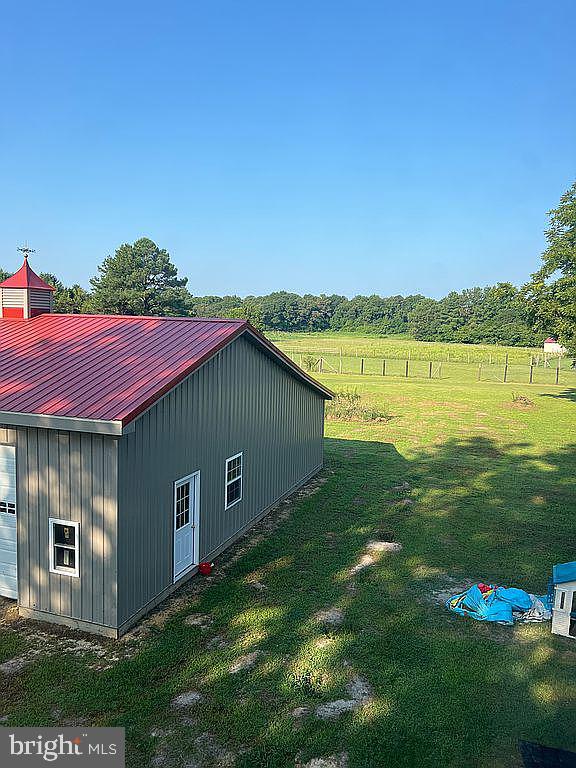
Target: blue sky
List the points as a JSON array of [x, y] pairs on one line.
[[348, 147]]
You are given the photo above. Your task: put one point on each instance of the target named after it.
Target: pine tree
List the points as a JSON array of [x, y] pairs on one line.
[[139, 279]]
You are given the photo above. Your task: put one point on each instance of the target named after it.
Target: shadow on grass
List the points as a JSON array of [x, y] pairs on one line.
[[447, 691], [567, 394]]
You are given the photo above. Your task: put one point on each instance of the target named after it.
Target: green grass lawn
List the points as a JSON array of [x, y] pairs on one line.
[[489, 496]]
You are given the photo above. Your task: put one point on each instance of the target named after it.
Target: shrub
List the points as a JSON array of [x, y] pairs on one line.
[[347, 405], [309, 362]]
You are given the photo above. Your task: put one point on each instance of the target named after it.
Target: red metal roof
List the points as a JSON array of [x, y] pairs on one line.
[[26, 278], [550, 340], [105, 367]]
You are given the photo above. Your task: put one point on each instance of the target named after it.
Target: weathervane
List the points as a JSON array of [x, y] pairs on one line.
[[26, 250]]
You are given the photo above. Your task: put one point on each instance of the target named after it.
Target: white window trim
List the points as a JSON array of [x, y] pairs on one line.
[[53, 567], [229, 482]]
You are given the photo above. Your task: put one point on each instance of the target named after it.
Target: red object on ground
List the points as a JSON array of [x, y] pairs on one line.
[[205, 568]]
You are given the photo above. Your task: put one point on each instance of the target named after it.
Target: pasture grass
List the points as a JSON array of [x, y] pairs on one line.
[[455, 362], [474, 487]]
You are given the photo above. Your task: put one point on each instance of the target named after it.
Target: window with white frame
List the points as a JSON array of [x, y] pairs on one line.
[[182, 502], [233, 480], [64, 547]]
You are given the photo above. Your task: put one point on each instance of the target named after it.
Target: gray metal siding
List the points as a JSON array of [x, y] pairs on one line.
[[72, 476], [239, 401]]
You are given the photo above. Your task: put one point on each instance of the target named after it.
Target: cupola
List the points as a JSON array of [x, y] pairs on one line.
[[25, 295]]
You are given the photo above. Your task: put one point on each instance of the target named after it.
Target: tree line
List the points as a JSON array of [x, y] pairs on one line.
[[140, 279]]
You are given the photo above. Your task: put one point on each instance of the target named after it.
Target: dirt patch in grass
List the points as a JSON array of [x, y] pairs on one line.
[[521, 401], [247, 661], [188, 699], [359, 694], [333, 761], [332, 617], [373, 553]]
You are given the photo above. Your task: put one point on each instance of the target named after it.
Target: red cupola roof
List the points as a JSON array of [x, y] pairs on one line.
[[26, 278]]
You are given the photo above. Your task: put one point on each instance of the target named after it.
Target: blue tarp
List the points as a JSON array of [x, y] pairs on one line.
[[502, 604]]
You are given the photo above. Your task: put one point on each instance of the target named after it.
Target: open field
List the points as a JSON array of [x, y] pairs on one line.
[[459, 362], [400, 348], [472, 488]]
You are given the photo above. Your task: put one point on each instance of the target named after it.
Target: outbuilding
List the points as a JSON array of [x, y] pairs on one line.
[[133, 448], [552, 347], [564, 599]]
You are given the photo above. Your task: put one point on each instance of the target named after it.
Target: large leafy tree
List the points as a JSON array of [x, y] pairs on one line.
[[552, 291], [140, 279]]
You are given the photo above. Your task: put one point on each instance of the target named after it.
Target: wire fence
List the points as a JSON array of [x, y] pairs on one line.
[[538, 371]]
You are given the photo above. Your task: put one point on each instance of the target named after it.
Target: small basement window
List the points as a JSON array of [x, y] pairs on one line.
[[64, 547], [233, 480], [7, 507]]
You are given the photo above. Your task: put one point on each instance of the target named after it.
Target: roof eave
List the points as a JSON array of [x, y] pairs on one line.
[[65, 423]]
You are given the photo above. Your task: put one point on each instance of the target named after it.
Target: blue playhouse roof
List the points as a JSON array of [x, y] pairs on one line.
[[564, 572]]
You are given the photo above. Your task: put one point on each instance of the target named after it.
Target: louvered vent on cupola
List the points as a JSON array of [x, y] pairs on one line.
[[25, 295]]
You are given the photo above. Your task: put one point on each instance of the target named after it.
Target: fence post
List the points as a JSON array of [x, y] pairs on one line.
[[557, 370], [361, 366], [321, 364], [506, 368], [430, 369], [531, 370], [480, 372], [340, 366], [406, 368], [383, 367]]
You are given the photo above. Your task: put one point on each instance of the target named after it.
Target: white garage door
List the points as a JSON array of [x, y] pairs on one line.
[[8, 574]]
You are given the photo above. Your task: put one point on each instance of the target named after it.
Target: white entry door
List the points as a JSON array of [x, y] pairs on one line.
[[8, 541], [186, 506]]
